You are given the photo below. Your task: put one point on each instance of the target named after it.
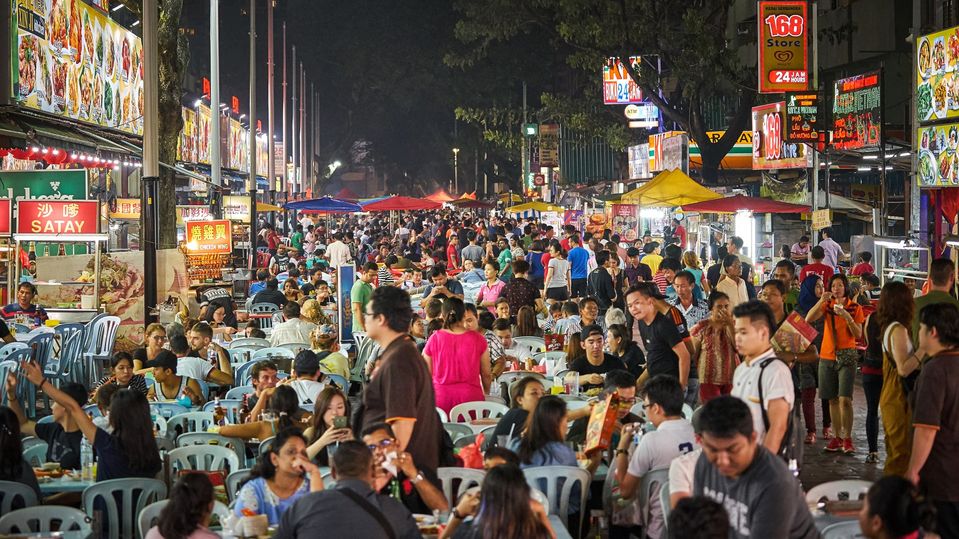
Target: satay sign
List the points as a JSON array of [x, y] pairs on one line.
[[58, 217]]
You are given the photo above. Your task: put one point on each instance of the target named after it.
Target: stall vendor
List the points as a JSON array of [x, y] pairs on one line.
[[25, 306]]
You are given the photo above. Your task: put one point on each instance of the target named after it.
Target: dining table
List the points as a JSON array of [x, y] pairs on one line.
[[64, 483], [76, 534]]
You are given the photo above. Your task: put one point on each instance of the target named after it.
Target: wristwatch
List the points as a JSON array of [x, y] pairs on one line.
[[456, 514], [419, 477]]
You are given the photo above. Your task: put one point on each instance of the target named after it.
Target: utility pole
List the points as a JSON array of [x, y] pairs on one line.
[[270, 102], [216, 174], [253, 133], [286, 180], [296, 172], [151, 156]]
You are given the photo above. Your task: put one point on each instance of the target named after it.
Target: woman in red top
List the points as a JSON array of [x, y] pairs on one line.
[[839, 357]]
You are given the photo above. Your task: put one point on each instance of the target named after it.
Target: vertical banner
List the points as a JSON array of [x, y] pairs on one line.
[[549, 145], [783, 46], [345, 275]]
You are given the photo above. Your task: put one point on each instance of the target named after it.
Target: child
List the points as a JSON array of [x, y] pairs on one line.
[[864, 265], [555, 315]]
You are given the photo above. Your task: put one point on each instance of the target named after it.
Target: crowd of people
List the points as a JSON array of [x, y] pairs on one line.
[[446, 298]]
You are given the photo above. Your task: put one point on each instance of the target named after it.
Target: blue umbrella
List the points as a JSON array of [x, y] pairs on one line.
[[325, 204]]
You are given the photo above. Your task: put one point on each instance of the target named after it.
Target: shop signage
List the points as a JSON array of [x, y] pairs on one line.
[[644, 115], [45, 184], [937, 61], [279, 159], [126, 208], [5, 215], [235, 104], [192, 213], [783, 46], [802, 111], [204, 118], [102, 5], [235, 153], [539, 180], [857, 112], [821, 219], [262, 155], [618, 87], [206, 87], [938, 163], [669, 151], [236, 208], [638, 159], [61, 217], [549, 145], [73, 61], [345, 278], [209, 237], [625, 221], [186, 149], [770, 151]]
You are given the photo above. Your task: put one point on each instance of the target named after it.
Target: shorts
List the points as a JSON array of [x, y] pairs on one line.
[[558, 293], [836, 377]]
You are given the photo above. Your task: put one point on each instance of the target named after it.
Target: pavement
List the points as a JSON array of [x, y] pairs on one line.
[[821, 467]]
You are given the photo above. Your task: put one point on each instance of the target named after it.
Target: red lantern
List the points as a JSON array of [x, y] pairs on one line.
[[19, 153]]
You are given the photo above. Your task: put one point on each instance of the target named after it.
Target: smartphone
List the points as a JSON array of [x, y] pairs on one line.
[[341, 422]]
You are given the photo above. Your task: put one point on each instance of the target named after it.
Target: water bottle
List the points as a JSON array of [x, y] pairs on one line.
[[86, 460]]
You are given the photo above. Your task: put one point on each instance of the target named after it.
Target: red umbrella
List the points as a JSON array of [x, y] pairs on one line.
[[739, 202], [401, 203]]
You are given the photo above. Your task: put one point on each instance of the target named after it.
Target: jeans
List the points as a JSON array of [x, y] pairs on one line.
[[872, 387], [692, 394]]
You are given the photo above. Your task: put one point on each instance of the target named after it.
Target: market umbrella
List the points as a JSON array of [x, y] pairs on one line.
[[441, 196], [741, 202], [534, 206], [401, 203], [263, 207], [669, 188], [325, 204], [473, 204], [510, 197]]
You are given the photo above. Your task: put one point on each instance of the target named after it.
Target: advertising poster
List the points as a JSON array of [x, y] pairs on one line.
[[596, 221], [739, 157], [618, 86], [192, 213], [186, 148], [262, 156], [669, 151], [625, 221], [345, 275], [237, 148], [938, 164], [638, 159], [783, 46], [549, 145], [857, 112], [204, 118], [73, 61], [209, 237], [125, 208], [236, 208], [937, 91], [573, 217], [770, 151]]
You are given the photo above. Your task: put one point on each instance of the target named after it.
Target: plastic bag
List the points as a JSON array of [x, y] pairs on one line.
[[472, 454]]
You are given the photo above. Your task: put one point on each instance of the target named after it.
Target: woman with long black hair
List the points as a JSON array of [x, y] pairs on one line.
[[892, 509], [331, 403], [13, 467], [502, 508], [187, 513]]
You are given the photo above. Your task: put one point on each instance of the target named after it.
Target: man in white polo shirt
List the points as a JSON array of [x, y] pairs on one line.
[[755, 325]]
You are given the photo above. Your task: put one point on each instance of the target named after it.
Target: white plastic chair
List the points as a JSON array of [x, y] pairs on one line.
[[40, 519], [850, 489], [444, 418], [649, 487], [208, 438], [457, 480], [233, 482], [461, 413], [264, 308], [249, 342], [133, 493], [295, 347], [559, 482], [536, 344], [239, 391], [843, 530], [687, 412], [271, 353], [150, 514], [188, 422], [206, 458], [100, 335], [11, 491], [555, 355]]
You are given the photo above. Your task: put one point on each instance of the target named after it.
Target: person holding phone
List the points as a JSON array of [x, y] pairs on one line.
[[331, 425]]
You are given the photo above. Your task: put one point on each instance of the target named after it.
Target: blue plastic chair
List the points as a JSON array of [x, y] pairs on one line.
[[26, 391], [11, 492], [120, 501], [10, 348], [36, 455], [40, 519], [69, 364], [241, 374], [239, 391], [204, 388], [251, 342], [233, 482], [166, 410], [232, 407], [43, 343], [339, 381]]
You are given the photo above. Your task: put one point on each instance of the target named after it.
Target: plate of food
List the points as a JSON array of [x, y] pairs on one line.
[[939, 55], [924, 101], [939, 97], [924, 63], [927, 168]]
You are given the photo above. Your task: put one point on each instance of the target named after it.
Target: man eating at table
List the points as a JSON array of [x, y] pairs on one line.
[[34, 313]]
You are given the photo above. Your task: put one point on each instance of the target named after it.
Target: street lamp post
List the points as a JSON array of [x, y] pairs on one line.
[[456, 170]]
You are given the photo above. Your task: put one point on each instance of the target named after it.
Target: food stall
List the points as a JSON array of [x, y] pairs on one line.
[[63, 221]]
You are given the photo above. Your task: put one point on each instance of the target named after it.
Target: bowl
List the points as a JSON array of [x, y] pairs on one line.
[[51, 466]]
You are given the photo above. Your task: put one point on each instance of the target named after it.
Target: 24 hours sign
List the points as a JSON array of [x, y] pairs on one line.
[[783, 46]]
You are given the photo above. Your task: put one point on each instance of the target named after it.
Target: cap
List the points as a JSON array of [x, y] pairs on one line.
[[632, 251], [164, 360], [591, 330]]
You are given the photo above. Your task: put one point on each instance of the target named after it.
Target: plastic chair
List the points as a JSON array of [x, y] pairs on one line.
[[512, 376], [36, 455], [444, 418], [457, 430], [9, 348], [239, 391], [264, 308], [209, 438], [239, 356], [234, 480], [22, 329], [649, 487], [638, 410], [122, 500], [231, 406], [188, 422], [842, 530], [843, 489], [150, 514], [11, 491], [458, 480], [204, 388], [687, 412], [41, 519], [366, 349], [102, 334], [26, 392], [45, 419], [166, 410], [464, 441], [250, 342], [328, 481], [295, 347], [265, 445], [468, 411], [537, 494], [202, 457], [281, 356], [559, 482], [664, 501], [537, 344], [341, 382], [43, 343], [69, 363], [6, 367], [241, 374], [554, 355]]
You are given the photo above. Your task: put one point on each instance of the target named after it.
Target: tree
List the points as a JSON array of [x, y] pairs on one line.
[[173, 58], [687, 39]]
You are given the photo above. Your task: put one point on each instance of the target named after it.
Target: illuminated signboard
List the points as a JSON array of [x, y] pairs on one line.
[[618, 87], [209, 237], [857, 112], [60, 217], [783, 46], [802, 111], [770, 151], [937, 61]]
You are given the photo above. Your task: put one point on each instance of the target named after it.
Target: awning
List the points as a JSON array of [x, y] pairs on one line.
[[840, 203], [741, 202], [324, 204], [473, 204], [534, 207], [401, 203], [263, 207], [667, 189]]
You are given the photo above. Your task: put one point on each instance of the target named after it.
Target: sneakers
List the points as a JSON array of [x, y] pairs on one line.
[[835, 444], [810, 438], [847, 446], [872, 458], [827, 433]]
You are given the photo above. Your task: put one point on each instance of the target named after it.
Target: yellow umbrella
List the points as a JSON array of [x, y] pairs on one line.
[[668, 189], [263, 207], [534, 206]]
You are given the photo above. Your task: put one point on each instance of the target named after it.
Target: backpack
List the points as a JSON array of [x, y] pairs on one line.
[[791, 448]]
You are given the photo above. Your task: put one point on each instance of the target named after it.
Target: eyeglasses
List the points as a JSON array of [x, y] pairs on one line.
[[385, 442], [648, 406]]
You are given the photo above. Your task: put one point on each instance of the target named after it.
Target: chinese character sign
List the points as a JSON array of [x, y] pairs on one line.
[[59, 217], [209, 237]]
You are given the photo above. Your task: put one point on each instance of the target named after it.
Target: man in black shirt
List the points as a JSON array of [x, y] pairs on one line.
[[271, 295], [600, 283], [595, 363], [666, 353], [636, 271]]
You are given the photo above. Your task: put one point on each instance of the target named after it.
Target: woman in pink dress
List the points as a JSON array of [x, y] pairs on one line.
[[458, 359]]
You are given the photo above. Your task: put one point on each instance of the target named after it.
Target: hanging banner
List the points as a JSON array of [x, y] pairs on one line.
[[204, 117], [573, 217], [783, 46], [262, 156], [596, 221], [857, 112], [279, 159], [61, 217], [937, 67], [938, 163], [236, 208], [549, 145], [186, 148], [669, 151], [618, 87], [770, 151], [802, 111], [126, 208], [625, 221], [209, 237], [533, 148], [345, 277]]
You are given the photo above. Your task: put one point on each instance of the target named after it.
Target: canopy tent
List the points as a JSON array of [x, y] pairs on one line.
[[840, 203], [510, 197], [325, 204], [473, 204], [346, 194], [441, 196], [263, 207], [741, 202], [534, 207], [667, 189], [401, 203]]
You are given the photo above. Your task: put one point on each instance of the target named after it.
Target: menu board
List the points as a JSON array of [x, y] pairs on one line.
[[802, 111], [73, 61], [938, 161], [857, 112], [770, 151], [625, 221], [937, 84], [209, 237], [783, 46]]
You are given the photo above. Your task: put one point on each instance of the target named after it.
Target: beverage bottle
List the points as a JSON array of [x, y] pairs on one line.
[[86, 460], [211, 355], [219, 413]]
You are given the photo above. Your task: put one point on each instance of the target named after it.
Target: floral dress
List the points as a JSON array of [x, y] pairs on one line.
[[256, 497], [717, 357]]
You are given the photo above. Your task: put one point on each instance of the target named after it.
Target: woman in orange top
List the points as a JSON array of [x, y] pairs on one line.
[[839, 357]]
